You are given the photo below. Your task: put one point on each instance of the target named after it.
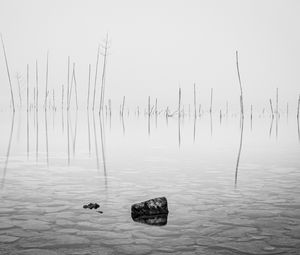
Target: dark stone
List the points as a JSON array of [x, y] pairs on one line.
[[100, 212], [154, 220], [85, 206], [150, 207]]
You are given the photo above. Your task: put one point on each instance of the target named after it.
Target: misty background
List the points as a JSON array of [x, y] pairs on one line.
[[155, 47]]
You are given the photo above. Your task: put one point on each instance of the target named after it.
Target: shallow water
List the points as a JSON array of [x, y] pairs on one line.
[[53, 164]]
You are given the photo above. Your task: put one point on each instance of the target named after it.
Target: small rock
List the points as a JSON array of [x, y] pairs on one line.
[[100, 212], [91, 206], [150, 207]]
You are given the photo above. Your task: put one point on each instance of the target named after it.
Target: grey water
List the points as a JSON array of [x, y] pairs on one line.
[[232, 186]]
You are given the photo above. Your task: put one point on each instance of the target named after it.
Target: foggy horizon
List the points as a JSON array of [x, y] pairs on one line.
[[157, 48]]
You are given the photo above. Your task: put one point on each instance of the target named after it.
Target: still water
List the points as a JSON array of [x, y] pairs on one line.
[[52, 164]]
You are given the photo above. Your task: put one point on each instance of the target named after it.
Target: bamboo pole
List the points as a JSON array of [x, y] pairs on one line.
[[68, 85], [8, 74], [89, 85], [179, 102], [103, 74], [277, 101], [109, 105], [195, 103], [149, 106], [95, 82], [62, 96], [123, 104], [37, 85], [271, 108], [46, 91], [298, 107], [211, 100], [75, 85], [27, 83], [240, 83], [18, 76]]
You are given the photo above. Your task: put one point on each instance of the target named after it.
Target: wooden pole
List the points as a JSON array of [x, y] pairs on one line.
[[8, 74], [179, 102], [240, 83], [46, 92], [123, 104], [27, 82], [89, 85], [68, 85], [271, 108], [75, 85], [211, 100], [103, 74], [96, 73], [37, 86], [62, 96], [195, 103], [298, 107]]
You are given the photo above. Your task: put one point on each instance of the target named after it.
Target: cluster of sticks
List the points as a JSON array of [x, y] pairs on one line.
[[70, 83]]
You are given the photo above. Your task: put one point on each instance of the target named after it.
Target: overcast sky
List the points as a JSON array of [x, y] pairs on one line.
[[157, 46]]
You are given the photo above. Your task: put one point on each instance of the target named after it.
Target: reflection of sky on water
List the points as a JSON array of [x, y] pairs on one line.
[[191, 162]]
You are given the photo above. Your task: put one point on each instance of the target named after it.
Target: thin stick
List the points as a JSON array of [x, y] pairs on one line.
[[8, 74], [27, 82], [109, 105], [37, 85], [96, 73], [240, 83], [68, 85], [46, 91], [103, 74], [149, 111], [75, 85], [211, 100], [195, 104], [89, 85], [271, 108], [19, 88], [62, 96], [179, 102], [156, 106], [123, 104], [53, 100], [298, 107], [277, 101]]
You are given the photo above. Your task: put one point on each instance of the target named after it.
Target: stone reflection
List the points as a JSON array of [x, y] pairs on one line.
[[154, 220]]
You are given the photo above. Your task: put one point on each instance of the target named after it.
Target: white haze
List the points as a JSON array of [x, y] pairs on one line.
[[157, 46]]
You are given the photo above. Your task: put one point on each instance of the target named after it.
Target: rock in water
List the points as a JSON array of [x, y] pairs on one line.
[[150, 207]]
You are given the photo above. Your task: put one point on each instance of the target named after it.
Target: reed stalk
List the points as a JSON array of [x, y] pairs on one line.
[[8, 74], [46, 91], [68, 85], [89, 85], [195, 103], [96, 74], [179, 102], [27, 83], [37, 85], [211, 100], [271, 106], [123, 104], [103, 74], [240, 83]]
